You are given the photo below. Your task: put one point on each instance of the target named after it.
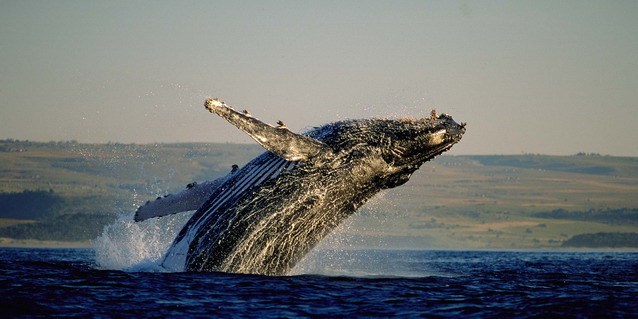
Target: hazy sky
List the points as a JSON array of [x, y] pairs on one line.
[[552, 77]]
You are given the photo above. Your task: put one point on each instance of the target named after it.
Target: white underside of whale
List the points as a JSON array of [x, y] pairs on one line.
[[261, 169]]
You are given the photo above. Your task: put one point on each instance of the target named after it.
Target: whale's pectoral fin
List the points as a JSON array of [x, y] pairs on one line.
[[187, 200], [279, 140]]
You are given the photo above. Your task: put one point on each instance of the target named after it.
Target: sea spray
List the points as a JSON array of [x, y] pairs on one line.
[[358, 247], [333, 255], [327, 257], [130, 246]]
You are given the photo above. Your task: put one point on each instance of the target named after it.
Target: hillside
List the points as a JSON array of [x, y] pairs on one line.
[[521, 201]]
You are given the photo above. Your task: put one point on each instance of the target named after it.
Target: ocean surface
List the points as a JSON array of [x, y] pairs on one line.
[[330, 283]]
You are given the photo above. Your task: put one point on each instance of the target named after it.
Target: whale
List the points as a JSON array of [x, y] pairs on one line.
[[264, 217]]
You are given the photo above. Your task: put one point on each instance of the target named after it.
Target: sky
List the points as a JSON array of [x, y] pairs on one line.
[[546, 77]]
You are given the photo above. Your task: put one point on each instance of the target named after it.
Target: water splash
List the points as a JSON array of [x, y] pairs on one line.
[[137, 246], [349, 252]]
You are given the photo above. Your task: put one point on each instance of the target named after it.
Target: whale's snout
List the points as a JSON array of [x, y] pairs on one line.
[[455, 131]]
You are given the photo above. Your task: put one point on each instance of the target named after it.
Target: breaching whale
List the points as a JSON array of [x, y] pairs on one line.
[[264, 217]]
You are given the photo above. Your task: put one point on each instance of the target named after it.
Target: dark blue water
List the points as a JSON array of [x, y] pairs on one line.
[[66, 282]]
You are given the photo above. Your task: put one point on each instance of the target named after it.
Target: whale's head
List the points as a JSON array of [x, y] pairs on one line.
[[410, 142], [402, 144], [406, 144]]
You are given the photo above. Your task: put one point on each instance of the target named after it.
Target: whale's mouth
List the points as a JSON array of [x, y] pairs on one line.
[[456, 131], [438, 142]]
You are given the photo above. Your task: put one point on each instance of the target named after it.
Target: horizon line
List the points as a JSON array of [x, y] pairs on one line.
[[13, 140]]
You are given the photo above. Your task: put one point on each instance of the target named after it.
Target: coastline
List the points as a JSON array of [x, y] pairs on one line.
[[33, 243]]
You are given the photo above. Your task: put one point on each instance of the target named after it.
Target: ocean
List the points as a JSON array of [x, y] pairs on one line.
[[57, 282]]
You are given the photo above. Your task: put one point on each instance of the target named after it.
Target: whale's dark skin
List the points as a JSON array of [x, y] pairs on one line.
[[267, 227]]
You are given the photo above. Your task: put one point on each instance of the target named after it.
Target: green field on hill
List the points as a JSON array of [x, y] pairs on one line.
[[68, 191]]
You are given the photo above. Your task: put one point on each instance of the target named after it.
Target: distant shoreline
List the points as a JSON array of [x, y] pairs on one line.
[[33, 243]]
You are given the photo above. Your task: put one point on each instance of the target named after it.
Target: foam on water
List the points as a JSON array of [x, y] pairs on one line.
[[137, 246]]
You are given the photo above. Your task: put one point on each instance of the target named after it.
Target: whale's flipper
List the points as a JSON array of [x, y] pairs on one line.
[[189, 199], [278, 140]]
